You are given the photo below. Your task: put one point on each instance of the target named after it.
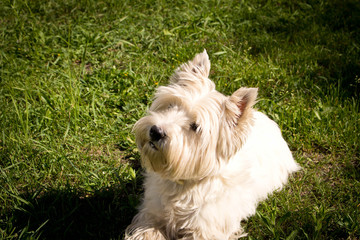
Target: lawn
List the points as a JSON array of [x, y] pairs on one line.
[[76, 75]]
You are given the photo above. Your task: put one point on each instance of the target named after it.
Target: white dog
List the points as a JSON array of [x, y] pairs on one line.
[[209, 159]]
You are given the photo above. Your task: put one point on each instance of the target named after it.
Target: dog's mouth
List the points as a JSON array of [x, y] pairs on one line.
[[153, 146]]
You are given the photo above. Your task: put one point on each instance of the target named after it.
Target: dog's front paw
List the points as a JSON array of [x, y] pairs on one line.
[[144, 234]]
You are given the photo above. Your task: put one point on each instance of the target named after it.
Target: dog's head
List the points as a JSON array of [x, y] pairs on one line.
[[191, 129]]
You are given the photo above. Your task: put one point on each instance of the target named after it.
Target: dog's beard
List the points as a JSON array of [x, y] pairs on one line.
[[153, 157]]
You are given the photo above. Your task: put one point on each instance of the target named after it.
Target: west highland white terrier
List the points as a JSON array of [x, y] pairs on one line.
[[209, 159]]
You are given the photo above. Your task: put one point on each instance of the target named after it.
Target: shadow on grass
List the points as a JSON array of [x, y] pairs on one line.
[[66, 214]]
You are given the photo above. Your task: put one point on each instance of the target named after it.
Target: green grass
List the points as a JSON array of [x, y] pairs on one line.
[[76, 75]]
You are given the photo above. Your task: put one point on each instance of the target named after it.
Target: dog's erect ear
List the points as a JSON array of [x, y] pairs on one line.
[[199, 67], [244, 98], [239, 104], [201, 64]]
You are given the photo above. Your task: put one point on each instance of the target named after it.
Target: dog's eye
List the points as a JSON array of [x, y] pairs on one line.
[[194, 126]]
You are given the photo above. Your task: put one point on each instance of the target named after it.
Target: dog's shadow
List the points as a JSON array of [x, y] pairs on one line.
[[67, 214]]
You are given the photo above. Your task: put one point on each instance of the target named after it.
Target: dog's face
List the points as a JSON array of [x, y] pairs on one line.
[[191, 129]]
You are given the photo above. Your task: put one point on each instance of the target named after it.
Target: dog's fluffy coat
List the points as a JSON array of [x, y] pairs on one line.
[[209, 159]]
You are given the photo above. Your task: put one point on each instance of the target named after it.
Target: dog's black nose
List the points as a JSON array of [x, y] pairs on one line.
[[156, 133]]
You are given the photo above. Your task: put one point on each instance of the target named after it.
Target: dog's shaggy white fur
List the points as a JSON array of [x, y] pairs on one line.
[[209, 159]]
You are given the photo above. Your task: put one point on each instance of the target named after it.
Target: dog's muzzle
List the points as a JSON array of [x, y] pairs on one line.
[[156, 135]]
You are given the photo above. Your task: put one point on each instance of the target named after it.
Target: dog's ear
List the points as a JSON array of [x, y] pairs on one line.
[[239, 104], [201, 64], [244, 98], [199, 67]]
